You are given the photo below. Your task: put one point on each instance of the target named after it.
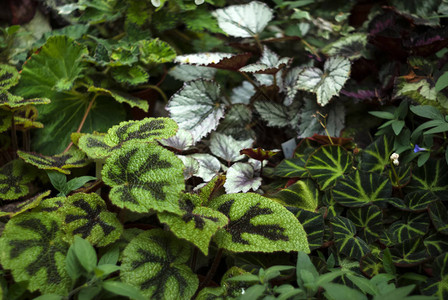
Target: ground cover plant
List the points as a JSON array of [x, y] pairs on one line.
[[224, 149]]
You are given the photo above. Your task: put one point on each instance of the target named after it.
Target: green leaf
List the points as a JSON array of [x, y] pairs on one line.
[[371, 264], [13, 102], [269, 63], [85, 253], [414, 225], [258, 224], [197, 224], [16, 208], [314, 226], [277, 115], [341, 292], [32, 247], [301, 194], [328, 164], [86, 215], [377, 155], [143, 177], [437, 285], [346, 240], [241, 177], [78, 182], [14, 179], [304, 263], [155, 262], [350, 46], [94, 146], [418, 201], [123, 289], [146, 130], [121, 97], [432, 177], [411, 252], [73, 265], [427, 111], [155, 51], [133, 75], [436, 244], [291, 167], [368, 221], [8, 76], [325, 84], [197, 107], [59, 181], [442, 82], [361, 189], [439, 216], [74, 158], [382, 114], [246, 20]]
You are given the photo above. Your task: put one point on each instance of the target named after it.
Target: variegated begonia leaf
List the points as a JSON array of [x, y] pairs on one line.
[[192, 72], [155, 51], [301, 194], [144, 177], [328, 164], [94, 146], [269, 63], [350, 46], [242, 177], [146, 130], [258, 224], [130, 75], [191, 166], [50, 204], [277, 115], [414, 225], [411, 252], [432, 177], [197, 107], [238, 123], [227, 148], [245, 20], [14, 209], [32, 247], [121, 97], [197, 224], [156, 262], [14, 179], [12, 101], [74, 158], [226, 61], [439, 216], [327, 83], [242, 93], [377, 155], [368, 221], [211, 189], [8, 76], [361, 189], [86, 215], [314, 225], [209, 166], [346, 240], [182, 141]]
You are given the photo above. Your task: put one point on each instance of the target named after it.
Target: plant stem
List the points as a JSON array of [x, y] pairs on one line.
[[211, 272], [397, 179], [257, 40], [159, 90], [311, 48]]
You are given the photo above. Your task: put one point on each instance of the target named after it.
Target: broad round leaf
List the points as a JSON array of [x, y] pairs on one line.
[[241, 177], [258, 224], [8, 76], [192, 72], [209, 166], [227, 148], [414, 225], [182, 141], [432, 177], [314, 225], [14, 179], [346, 240], [144, 177], [301, 194], [368, 221]]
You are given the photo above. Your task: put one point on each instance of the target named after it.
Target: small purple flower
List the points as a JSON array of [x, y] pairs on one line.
[[418, 149]]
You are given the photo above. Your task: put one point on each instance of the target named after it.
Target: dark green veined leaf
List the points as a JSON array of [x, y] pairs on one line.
[[432, 177], [237, 122], [234, 20], [291, 167], [411, 252], [14, 177], [133, 75], [33, 249], [197, 107], [301, 194], [414, 225], [436, 244], [258, 224], [155, 262], [15, 208], [439, 216], [361, 189], [387, 239], [94, 146], [146, 130], [277, 115], [371, 265], [437, 285], [86, 215], [8, 76], [422, 91], [5, 120], [143, 177], [74, 158], [50, 204], [377, 155], [417, 201], [314, 226], [121, 97], [229, 288], [242, 177], [155, 51], [196, 224], [12, 101], [349, 46], [346, 240], [368, 221], [328, 164], [325, 84]]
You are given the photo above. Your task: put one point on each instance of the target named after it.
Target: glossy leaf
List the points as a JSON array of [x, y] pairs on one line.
[[143, 177], [439, 216], [227, 148], [301, 194], [361, 189], [244, 20], [14, 179], [368, 221], [192, 72], [328, 164], [414, 225], [346, 240], [377, 155], [33, 249], [418, 201], [209, 166], [276, 115], [409, 253], [155, 262], [327, 83], [350, 46], [258, 224], [182, 141], [197, 107], [432, 177], [314, 225], [197, 224]]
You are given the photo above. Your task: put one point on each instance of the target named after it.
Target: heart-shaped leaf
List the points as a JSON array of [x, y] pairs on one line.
[[432, 177], [414, 225], [346, 240], [377, 155], [411, 252], [258, 224], [269, 63], [301, 194], [241, 177], [197, 107], [314, 225], [143, 177], [227, 148], [327, 83], [155, 262], [14, 179], [368, 221]]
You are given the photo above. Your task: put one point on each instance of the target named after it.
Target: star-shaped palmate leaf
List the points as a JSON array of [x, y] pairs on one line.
[[32, 247], [155, 261], [74, 158], [86, 215], [258, 224], [144, 177], [197, 224]]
